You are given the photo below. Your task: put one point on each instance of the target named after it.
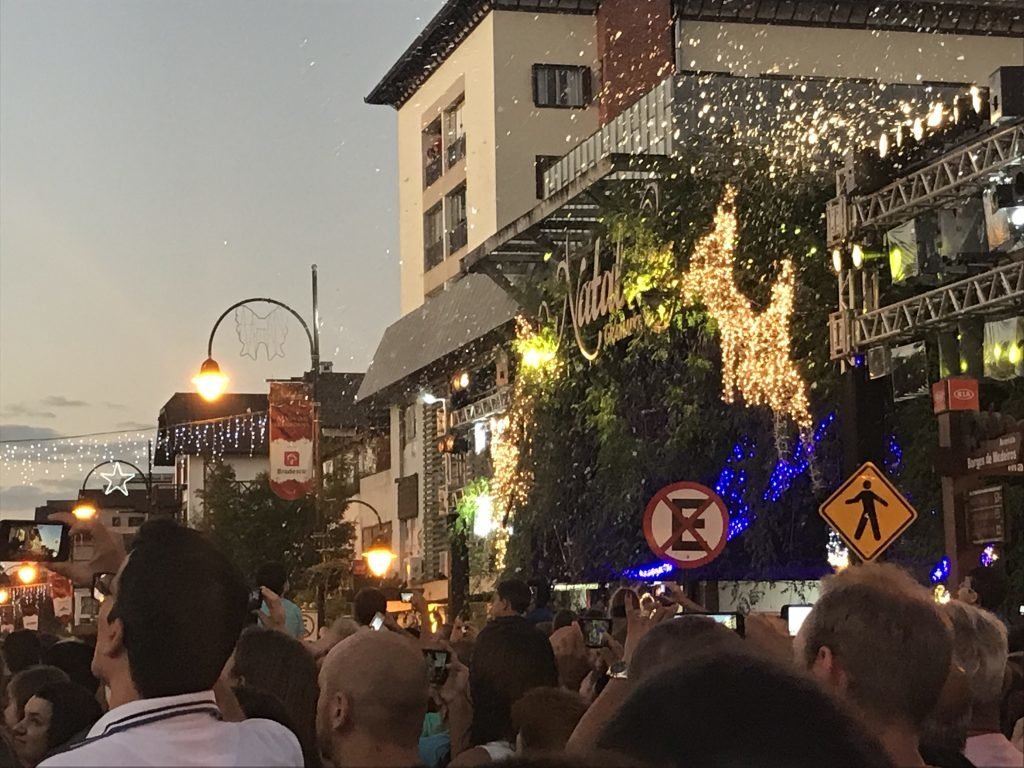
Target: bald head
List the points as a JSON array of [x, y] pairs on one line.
[[373, 684]]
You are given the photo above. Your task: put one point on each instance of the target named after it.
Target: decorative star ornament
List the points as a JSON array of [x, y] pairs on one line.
[[116, 480]]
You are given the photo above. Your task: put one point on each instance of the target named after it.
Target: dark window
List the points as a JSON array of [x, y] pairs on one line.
[[455, 134], [542, 163], [556, 85], [408, 497], [455, 213], [433, 237], [432, 154], [136, 521], [115, 521]]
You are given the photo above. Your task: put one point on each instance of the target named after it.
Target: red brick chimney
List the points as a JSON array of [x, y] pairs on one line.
[[635, 47]]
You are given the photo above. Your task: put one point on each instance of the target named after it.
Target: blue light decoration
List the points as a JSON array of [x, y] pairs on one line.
[[652, 571], [786, 471], [732, 486], [988, 556], [894, 458], [941, 570]]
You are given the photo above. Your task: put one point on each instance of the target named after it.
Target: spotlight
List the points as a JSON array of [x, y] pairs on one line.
[[460, 381], [977, 101], [837, 260], [918, 129], [1017, 216], [936, 114], [858, 256], [883, 145]]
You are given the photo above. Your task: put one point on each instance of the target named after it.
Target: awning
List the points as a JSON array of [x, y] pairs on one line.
[[468, 310]]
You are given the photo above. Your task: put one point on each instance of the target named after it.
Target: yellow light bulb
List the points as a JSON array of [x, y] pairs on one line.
[[27, 574], [84, 511], [5, 596], [210, 381], [378, 560]]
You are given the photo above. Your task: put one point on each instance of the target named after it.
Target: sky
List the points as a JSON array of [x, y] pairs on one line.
[[160, 160]]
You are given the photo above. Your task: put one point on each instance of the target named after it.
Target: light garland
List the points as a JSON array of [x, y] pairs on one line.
[[24, 463], [755, 346], [247, 432]]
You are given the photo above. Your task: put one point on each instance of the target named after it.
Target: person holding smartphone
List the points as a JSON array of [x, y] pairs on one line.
[[274, 577]]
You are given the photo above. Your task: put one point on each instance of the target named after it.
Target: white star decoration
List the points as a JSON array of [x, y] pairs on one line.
[[116, 480]]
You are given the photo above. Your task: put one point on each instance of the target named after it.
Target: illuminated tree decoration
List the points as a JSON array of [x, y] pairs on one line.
[[755, 346]]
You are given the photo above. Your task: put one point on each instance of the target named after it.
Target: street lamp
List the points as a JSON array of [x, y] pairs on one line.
[[116, 481], [379, 556], [210, 382]]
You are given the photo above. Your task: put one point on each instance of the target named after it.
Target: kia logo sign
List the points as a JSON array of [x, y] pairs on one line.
[[963, 394]]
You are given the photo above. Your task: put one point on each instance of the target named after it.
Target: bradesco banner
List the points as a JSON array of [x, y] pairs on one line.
[[291, 439]]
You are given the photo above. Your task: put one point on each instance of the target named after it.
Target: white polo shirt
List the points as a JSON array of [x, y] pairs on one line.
[[180, 731]]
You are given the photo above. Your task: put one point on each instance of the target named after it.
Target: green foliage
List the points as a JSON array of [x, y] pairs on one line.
[[649, 411], [252, 525]]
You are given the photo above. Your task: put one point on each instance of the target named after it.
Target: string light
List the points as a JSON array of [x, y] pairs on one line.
[[755, 346], [941, 570], [989, 555]]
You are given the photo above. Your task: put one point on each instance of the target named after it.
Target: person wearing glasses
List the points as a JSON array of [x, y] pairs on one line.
[[169, 617]]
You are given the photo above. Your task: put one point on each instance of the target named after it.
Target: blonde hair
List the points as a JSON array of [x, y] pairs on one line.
[[886, 632], [980, 648]]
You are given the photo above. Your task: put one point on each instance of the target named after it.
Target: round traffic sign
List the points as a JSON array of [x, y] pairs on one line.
[[686, 524]]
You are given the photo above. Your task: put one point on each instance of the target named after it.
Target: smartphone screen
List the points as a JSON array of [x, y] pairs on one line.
[[378, 622], [27, 540], [733, 621], [594, 631], [796, 616], [437, 665], [406, 597]]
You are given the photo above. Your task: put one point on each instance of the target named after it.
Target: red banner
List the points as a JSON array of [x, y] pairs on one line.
[[291, 439]]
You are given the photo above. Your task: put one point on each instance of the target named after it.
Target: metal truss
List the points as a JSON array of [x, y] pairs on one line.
[[990, 292], [957, 174], [481, 409]]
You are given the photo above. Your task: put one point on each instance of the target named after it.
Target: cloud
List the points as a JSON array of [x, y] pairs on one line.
[[20, 410], [59, 401], [22, 500], [114, 406], [25, 432]]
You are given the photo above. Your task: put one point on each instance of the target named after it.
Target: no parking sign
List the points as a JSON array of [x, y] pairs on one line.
[[686, 524]]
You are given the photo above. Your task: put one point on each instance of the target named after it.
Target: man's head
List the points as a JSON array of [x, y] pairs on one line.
[[273, 576], [985, 587], [373, 696], [675, 642], [511, 598], [877, 637], [545, 719], [744, 711], [367, 604], [177, 608], [22, 650], [979, 648]]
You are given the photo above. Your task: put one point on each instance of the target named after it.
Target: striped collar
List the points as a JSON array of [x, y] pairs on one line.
[[143, 711]]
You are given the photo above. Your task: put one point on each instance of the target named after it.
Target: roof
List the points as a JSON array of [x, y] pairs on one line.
[[223, 423], [444, 33], [469, 310], [1003, 18]]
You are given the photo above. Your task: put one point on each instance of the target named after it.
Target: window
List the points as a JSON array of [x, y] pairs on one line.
[[136, 521], [561, 86], [408, 497], [541, 163], [432, 157], [408, 427], [433, 237], [115, 521], [455, 134], [455, 213]]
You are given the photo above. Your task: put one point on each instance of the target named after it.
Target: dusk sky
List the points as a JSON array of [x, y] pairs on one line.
[[160, 160]]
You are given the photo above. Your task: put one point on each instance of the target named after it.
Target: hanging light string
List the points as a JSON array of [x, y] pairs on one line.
[[25, 462]]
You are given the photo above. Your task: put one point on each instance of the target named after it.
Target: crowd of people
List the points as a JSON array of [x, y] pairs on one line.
[[187, 669]]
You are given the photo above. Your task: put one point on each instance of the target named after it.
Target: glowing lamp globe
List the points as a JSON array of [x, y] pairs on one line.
[[5, 596], [84, 511], [210, 381], [378, 559], [27, 574]]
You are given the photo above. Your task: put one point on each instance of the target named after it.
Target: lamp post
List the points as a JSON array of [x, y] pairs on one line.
[[211, 382], [85, 510], [380, 555]]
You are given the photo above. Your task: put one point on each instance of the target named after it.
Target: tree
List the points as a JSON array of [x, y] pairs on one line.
[[253, 526]]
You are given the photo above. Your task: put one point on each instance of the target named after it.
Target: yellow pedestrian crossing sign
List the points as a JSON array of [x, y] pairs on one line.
[[868, 512]]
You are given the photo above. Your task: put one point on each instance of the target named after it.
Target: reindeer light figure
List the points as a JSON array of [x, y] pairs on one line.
[[755, 345]]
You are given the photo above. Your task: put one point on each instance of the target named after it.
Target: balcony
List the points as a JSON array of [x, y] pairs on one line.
[[432, 171], [455, 151], [458, 236], [433, 255]]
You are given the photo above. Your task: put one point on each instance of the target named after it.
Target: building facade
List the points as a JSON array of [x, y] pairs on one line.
[[588, 101]]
